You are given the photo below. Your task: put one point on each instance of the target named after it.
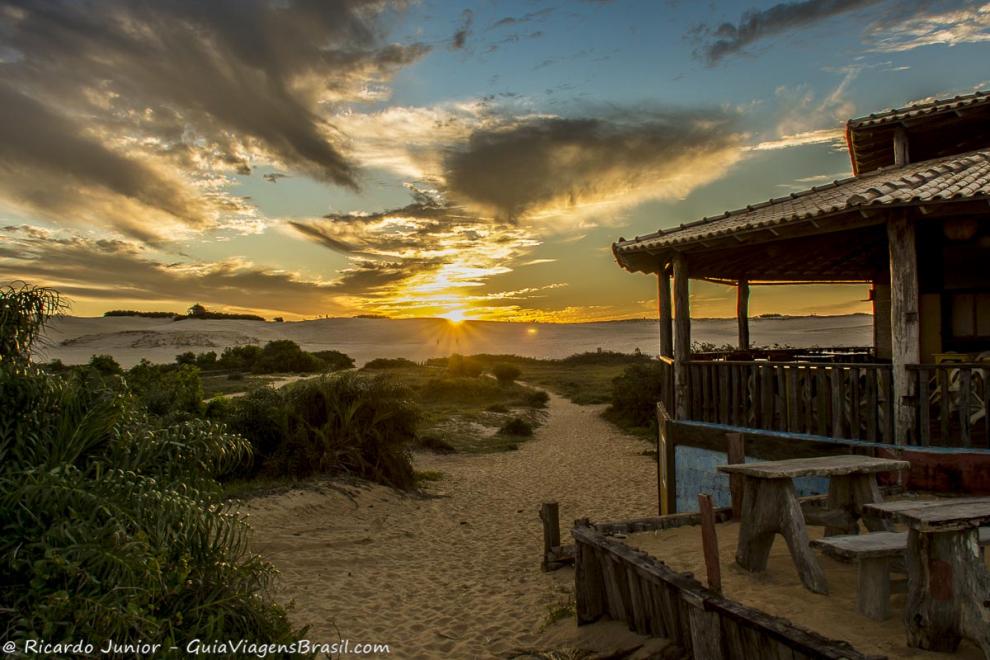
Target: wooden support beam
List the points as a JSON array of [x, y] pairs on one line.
[[901, 156], [682, 335], [550, 516], [904, 322], [666, 309], [742, 312]]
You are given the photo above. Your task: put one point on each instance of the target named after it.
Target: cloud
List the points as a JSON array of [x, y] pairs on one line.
[[460, 37], [525, 18], [423, 257], [165, 99], [825, 135], [728, 39], [108, 269], [949, 27], [530, 165]]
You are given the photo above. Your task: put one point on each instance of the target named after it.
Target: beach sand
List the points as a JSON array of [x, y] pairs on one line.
[[456, 572], [779, 591]]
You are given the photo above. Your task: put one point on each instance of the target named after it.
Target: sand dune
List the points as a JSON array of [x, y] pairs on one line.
[[74, 339], [455, 573]]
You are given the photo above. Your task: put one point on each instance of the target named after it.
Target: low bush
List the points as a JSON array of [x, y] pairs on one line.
[[634, 396], [166, 389], [388, 363], [334, 360], [497, 408], [458, 365], [105, 365], [516, 427], [341, 424], [506, 373], [535, 399], [435, 444]]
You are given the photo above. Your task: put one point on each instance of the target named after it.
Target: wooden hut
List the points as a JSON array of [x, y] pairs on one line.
[[914, 223]]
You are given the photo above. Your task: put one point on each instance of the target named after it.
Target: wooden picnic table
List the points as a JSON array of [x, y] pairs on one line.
[[770, 506], [948, 582]]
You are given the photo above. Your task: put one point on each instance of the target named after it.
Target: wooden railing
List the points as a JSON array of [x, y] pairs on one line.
[[953, 403], [840, 400]]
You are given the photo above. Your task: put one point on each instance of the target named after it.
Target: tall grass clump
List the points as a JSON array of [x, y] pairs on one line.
[[113, 527], [338, 424]]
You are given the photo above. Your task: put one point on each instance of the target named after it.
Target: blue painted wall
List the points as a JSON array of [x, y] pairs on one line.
[[696, 473]]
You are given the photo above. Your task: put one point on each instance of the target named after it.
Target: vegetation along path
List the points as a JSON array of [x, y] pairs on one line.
[[455, 572]]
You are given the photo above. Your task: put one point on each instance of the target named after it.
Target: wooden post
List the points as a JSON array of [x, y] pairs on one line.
[[709, 542], [550, 515], [666, 310], [682, 335], [666, 468], [904, 322], [742, 312], [736, 450], [901, 156]]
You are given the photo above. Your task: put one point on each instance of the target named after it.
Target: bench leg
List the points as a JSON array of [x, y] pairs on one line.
[[873, 599], [840, 498], [756, 529], [770, 506], [864, 490], [949, 591]]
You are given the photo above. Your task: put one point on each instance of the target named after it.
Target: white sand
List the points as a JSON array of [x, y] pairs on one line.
[[128, 339], [456, 574]]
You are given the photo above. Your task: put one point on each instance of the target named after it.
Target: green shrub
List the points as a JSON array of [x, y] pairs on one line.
[[349, 423], [388, 363], [261, 416], [186, 358], [435, 444], [458, 365], [517, 427], [113, 528], [506, 373], [206, 361], [239, 358], [334, 360], [164, 389], [634, 396], [105, 365], [285, 355], [535, 399]]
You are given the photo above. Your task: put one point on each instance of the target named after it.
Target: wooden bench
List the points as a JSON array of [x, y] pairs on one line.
[[874, 554], [770, 507]]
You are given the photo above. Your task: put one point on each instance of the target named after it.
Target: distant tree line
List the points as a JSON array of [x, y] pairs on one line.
[[283, 355], [194, 312]]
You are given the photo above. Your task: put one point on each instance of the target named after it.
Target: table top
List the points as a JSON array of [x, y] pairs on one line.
[[820, 466], [941, 515]]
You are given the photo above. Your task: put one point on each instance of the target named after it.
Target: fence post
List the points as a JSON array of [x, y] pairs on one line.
[[736, 450], [666, 468], [550, 515]]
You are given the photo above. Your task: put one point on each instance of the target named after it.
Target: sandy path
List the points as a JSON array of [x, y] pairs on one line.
[[454, 574]]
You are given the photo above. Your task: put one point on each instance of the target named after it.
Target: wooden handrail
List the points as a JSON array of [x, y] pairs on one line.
[[950, 365], [801, 363]]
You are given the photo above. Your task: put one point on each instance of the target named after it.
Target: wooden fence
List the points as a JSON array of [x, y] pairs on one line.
[[953, 403], [841, 400], [612, 579]]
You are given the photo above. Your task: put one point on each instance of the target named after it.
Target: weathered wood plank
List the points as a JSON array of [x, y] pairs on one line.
[[863, 546], [666, 312], [793, 415], [709, 542], [947, 514], [767, 396], [904, 319], [682, 334], [706, 634], [838, 403], [965, 390], [550, 516], [821, 402], [823, 466], [589, 585], [924, 412], [887, 386], [871, 404], [855, 423]]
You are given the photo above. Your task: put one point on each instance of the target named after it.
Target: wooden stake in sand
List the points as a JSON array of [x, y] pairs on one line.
[[554, 554], [709, 542]]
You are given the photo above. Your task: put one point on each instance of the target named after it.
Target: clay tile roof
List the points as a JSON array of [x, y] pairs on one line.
[[919, 110], [954, 177]]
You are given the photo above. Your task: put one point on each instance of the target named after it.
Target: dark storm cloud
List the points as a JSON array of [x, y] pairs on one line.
[[528, 164], [186, 81], [727, 38]]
